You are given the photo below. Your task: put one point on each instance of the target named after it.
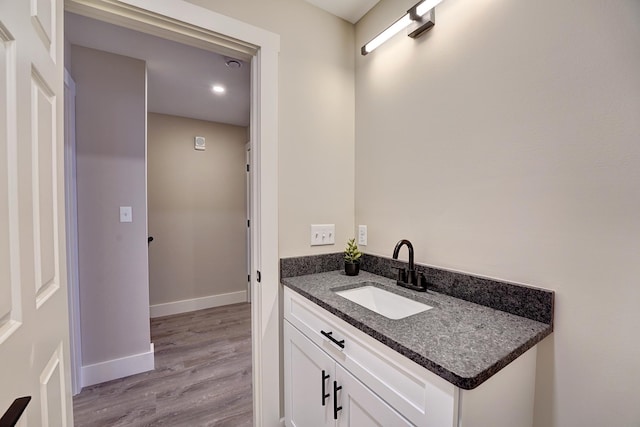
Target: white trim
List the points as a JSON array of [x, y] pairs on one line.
[[248, 193], [210, 20], [265, 310], [187, 305], [118, 368], [71, 206]]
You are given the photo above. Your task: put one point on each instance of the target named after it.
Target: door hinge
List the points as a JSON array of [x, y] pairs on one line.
[[259, 278]]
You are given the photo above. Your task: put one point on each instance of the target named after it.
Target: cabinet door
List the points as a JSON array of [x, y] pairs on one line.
[[308, 377], [360, 406]]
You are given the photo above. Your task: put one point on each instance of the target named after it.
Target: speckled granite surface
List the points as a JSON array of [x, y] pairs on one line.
[[463, 342], [521, 300], [299, 266], [526, 301]]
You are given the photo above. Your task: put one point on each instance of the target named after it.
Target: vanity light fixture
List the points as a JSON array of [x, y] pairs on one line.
[[419, 19]]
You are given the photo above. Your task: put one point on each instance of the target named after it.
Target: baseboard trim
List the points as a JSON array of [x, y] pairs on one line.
[[184, 306], [117, 368]]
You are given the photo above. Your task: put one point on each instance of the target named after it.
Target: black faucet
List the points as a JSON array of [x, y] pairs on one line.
[[409, 279]]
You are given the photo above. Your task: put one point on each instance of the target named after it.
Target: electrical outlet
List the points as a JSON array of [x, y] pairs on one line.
[[362, 235], [323, 234]]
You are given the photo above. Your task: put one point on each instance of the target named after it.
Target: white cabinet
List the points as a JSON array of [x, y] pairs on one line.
[[308, 376], [359, 406], [320, 392], [336, 375]]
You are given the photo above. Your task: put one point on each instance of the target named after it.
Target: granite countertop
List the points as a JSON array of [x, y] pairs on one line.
[[462, 342]]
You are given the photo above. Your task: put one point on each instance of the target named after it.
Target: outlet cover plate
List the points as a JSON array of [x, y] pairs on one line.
[[362, 235]]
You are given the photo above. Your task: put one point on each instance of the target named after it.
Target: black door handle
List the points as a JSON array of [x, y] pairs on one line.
[[325, 377], [13, 414], [336, 408], [333, 340]]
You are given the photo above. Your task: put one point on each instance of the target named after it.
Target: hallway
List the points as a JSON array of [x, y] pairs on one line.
[[202, 376]]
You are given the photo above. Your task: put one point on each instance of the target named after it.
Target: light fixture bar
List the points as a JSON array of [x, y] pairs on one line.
[[426, 6], [421, 23], [394, 29], [421, 18]]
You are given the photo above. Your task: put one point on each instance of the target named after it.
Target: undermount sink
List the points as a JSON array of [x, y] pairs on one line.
[[385, 303]]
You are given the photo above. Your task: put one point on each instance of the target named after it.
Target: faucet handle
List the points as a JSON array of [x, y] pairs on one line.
[[422, 281], [402, 274]]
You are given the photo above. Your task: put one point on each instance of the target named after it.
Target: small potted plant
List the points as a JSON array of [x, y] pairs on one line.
[[352, 257]]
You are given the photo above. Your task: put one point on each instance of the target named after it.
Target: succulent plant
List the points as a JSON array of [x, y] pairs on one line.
[[351, 252]]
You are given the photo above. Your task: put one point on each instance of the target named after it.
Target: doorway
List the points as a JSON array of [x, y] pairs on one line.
[[204, 27]]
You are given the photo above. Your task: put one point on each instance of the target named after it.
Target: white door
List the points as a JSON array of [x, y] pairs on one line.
[[308, 380], [359, 406], [34, 358]]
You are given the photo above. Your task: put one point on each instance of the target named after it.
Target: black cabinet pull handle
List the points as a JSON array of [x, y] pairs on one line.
[[336, 408], [13, 414], [333, 340], [325, 377]]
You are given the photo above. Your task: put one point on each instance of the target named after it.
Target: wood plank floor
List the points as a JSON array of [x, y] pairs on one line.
[[202, 376]]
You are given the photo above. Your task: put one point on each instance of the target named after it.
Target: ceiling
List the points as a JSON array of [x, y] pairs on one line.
[[349, 10], [179, 77]]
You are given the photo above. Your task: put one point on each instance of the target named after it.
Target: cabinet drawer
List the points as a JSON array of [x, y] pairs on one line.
[[422, 397]]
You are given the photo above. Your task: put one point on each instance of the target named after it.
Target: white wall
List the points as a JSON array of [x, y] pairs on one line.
[[113, 273], [316, 115], [505, 143], [197, 209]]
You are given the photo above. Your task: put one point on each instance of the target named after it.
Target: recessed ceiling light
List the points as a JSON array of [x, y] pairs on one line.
[[219, 89]]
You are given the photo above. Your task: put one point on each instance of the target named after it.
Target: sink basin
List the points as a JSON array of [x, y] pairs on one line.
[[388, 304]]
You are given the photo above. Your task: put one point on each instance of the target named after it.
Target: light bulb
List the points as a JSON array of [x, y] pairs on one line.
[[426, 6], [394, 29]]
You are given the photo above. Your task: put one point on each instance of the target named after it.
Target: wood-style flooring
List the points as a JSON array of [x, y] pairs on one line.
[[202, 376]]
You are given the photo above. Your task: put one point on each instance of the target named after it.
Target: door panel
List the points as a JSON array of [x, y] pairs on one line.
[[34, 332], [52, 390], [8, 316], [305, 364], [44, 144], [361, 406], [44, 23]]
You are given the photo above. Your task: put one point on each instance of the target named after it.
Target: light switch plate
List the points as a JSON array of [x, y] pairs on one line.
[[362, 235], [323, 234], [126, 214]]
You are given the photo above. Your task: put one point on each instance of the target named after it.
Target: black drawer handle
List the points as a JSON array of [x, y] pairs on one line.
[[333, 340], [336, 408], [325, 377]]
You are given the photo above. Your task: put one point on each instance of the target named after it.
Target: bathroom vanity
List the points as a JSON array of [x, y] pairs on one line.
[[457, 364]]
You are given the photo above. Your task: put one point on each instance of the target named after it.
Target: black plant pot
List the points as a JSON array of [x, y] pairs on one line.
[[351, 268]]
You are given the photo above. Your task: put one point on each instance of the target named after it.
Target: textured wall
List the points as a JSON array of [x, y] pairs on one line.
[[316, 117], [505, 143], [197, 209], [113, 272]]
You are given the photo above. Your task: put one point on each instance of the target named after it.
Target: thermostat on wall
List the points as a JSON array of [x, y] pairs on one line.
[[199, 143]]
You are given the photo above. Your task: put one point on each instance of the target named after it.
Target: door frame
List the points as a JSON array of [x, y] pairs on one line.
[[190, 24], [247, 149], [71, 218]]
